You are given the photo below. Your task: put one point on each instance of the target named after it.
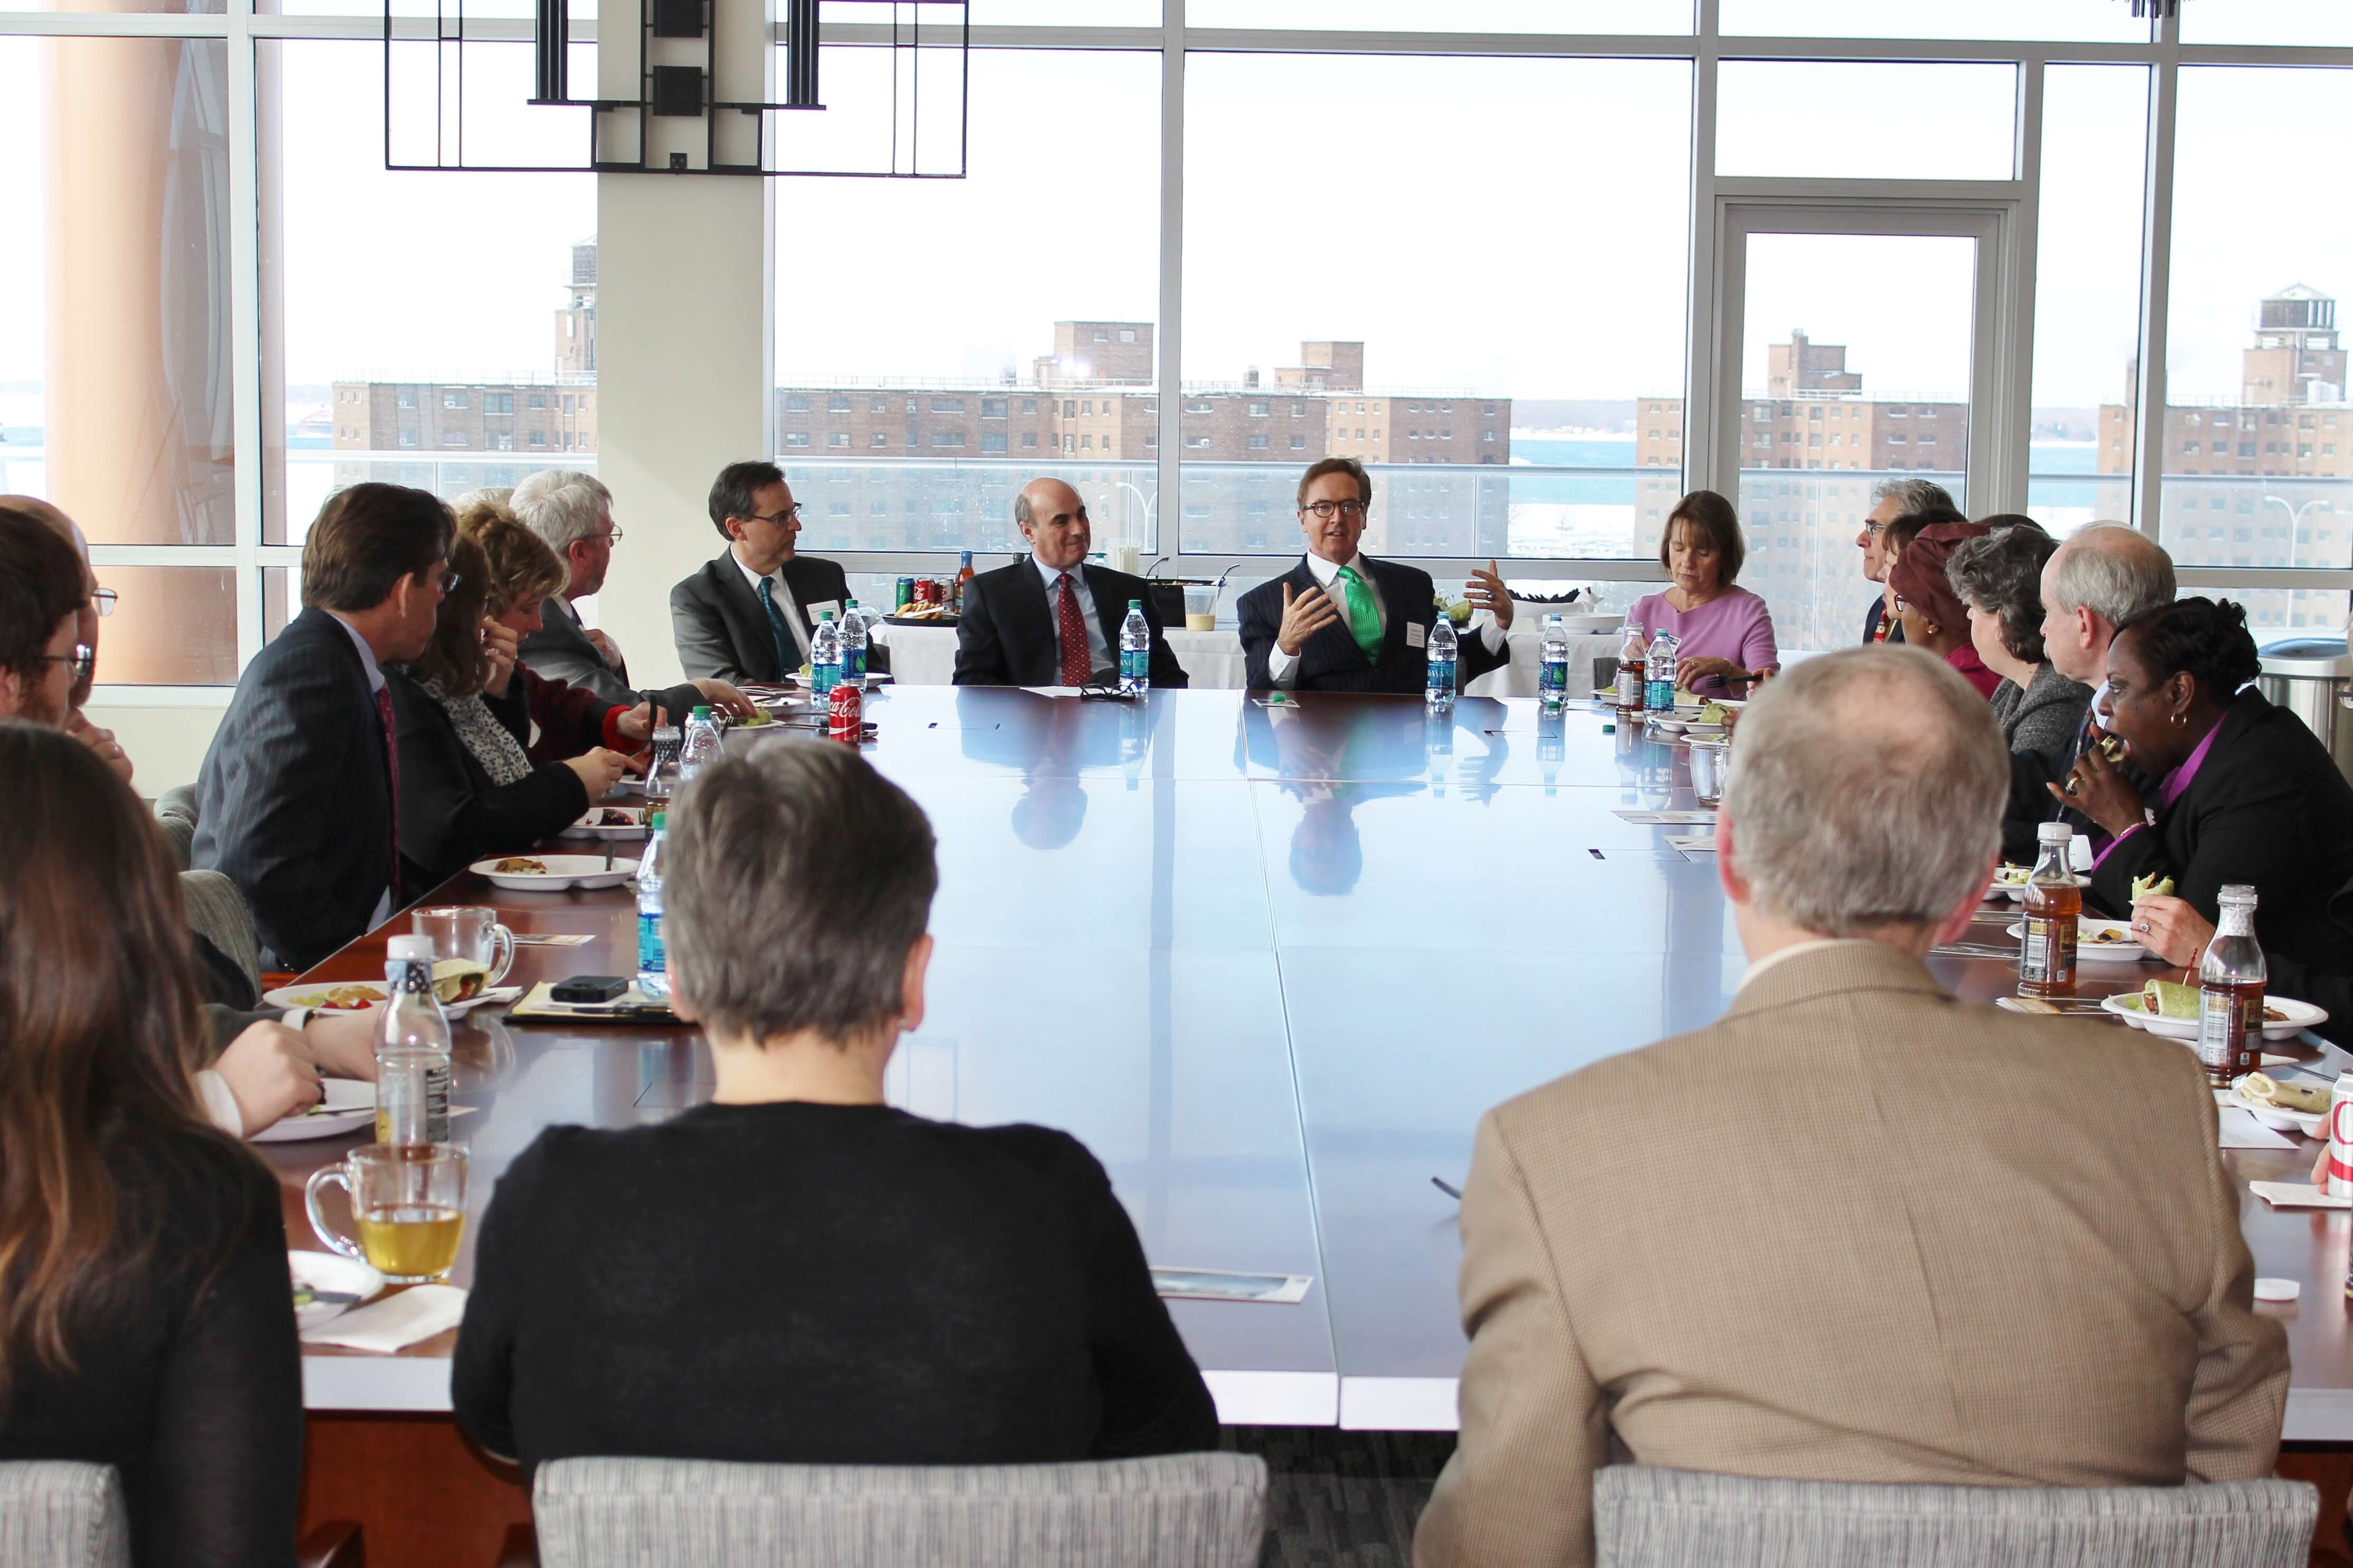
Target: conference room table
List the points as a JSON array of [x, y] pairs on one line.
[[1270, 963]]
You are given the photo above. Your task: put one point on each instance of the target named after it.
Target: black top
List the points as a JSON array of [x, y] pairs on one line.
[[1331, 660], [2325, 986], [1007, 633], [191, 1387], [721, 630], [814, 1284], [2268, 807], [450, 812]]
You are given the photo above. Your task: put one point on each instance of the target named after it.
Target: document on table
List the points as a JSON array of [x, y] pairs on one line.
[[1667, 818], [2241, 1130], [1702, 844]]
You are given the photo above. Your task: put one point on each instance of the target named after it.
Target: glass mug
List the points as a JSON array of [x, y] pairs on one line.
[[468, 931], [1711, 769], [409, 1201]]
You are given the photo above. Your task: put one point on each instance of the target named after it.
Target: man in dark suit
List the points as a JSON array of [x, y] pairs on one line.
[[750, 613], [1340, 621], [297, 800], [1051, 619]]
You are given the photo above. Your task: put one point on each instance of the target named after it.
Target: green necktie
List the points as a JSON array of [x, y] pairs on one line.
[[1364, 617]]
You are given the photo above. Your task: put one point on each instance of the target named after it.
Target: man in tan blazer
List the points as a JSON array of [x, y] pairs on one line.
[[1855, 1230]]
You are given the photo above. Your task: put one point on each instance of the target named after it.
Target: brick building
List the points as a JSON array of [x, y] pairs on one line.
[[1816, 415]]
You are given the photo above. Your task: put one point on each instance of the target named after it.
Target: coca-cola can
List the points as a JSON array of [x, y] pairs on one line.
[[2340, 1138], [926, 591], [845, 714]]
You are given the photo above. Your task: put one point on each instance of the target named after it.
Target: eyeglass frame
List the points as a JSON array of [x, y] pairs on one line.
[[103, 601], [791, 513], [1324, 510], [81, 663]]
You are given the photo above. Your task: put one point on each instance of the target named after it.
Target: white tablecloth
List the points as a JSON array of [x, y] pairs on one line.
[[925, 656]]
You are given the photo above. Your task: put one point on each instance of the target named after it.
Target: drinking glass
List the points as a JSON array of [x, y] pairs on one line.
[[1200, 606], [409, 1202], [1711, 769], [470, 932]]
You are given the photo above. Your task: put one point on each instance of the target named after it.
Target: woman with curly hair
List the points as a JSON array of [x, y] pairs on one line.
[[1998, 579]]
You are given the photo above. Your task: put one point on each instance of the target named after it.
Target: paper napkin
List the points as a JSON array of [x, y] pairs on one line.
[[394, 1322]]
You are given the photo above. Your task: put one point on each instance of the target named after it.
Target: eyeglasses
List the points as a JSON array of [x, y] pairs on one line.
[[81, 661], [790, 514], [1902, 603], [1325, 510], [103, 598], [449, 580], [1875, 529], [612, 536]]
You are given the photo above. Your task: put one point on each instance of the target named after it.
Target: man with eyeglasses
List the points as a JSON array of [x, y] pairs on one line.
[[1052, 618], [1341, 621], [97, 602], [1891, 499], [749, 614]]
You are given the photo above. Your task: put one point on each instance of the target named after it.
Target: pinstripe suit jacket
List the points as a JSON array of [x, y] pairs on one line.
[[295, 803], [1902, 1253]]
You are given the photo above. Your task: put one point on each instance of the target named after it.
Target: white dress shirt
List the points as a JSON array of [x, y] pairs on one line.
[[1098, 650], [1281, 666], [784, 596], [383, 911]]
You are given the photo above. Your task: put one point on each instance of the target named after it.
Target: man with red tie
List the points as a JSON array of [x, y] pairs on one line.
[[1051, 619], [298, 801]]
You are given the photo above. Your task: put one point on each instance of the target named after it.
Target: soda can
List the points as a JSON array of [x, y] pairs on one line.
[[845, 715], [2340, 1138], [904, 594]]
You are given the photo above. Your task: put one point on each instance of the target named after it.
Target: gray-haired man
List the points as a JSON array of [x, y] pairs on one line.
[[1891, 499]]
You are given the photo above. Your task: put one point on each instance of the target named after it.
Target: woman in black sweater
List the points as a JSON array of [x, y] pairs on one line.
[[796, 1272], [2245, 793], [146, 1320]]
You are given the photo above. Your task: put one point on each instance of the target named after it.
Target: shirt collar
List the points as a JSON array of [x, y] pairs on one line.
[[1325, 571], [755, 578], [1781, 954], [1050, 575], [2180, 778], [367, 654]]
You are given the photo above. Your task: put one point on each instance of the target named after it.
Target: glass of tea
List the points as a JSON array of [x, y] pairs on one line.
[[408, 1202]]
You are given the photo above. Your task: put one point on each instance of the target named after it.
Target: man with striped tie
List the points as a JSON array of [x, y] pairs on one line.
[[1341, 621]]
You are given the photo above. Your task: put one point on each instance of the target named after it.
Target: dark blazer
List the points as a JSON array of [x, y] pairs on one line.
[[294, 802], [1005, 636], [560, 650], [721, 631], [2268, 807], [450, 812], [1331, 660], [1872, 619], [2322, 984]]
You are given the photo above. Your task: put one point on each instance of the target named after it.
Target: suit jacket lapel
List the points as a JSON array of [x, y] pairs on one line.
[[1339, 642], [1027, 603], [739, 605], [1393, 601], [1110, 615]]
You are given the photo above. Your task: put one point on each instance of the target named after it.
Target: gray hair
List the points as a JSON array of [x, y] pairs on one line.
[[562, 506], [2001, 575], [492, 495], [1867, 792], [2113, 570], [799, 878], [1914, 495]]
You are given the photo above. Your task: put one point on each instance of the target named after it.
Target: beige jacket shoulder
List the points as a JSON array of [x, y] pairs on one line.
[[1855, 1230]]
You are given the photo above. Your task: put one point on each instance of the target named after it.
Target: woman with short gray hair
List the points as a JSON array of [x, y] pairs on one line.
[[796, 1272], [2000, 579]]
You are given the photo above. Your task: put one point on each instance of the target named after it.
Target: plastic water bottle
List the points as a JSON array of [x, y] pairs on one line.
[[701, 746], [412, 1050], [1439, 685], [824, 655], [1659, 682], [653, 937], [1134, 652], [1552, 673], [853, 643]]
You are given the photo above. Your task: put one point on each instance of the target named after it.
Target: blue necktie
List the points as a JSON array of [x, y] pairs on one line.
[[786, 664]]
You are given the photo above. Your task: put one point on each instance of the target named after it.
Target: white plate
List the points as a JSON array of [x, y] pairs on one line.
[[2014, 891], [2090, 952], [2278, 1118], [564, 871], [2301, 1016], [349, 1105], [329, 1271], [634, 829], [1581, 625], [300, 996]]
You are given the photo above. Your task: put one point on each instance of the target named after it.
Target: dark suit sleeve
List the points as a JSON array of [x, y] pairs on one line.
[[706, 651], [980, 653], [1258, 617], [558, 651], [1167, 673], [450, 811], [1473, 658], [2236, 838]]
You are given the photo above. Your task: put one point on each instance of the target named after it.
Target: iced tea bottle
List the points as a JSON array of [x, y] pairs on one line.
[[2054, 905], [2231, 983]]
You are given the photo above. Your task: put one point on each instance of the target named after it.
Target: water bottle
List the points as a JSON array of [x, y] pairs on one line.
[[1552, 672], [412, 1050], [853, 643], [1439, 683], [653, 961], [701, 746], [825, 656], [1134, 652], [1659, 682]]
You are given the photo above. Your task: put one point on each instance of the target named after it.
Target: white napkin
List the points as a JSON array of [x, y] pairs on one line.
[[395, 1322], [2296, 1195], [2241, 1130]]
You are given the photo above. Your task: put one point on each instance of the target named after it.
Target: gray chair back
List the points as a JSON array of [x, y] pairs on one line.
[[176, 813], [1649, 1518], [58, 1514], [217, 910], [1180, 1510]]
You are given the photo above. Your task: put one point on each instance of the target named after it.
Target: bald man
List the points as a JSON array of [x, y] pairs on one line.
[[1051, 619]]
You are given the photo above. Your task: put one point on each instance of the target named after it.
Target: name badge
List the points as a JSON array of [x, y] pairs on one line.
[[817, 612], [1416, 634]]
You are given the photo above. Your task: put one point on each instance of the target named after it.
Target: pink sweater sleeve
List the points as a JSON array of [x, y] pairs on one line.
[[1756, 649]]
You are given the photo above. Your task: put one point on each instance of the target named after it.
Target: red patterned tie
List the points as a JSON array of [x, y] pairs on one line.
[[1077, 666], [392, 766]]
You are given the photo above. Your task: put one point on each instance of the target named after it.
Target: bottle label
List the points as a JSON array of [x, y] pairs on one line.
[[853, 664], [1552, 677], [1135, 663], [823, 678], [1658, 695], [653, 952], [2224, 1026], [2047, 951], [1630, 688]]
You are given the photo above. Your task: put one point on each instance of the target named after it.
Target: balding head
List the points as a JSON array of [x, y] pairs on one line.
[[1866, 796], [2100, 578], [1053, 519]]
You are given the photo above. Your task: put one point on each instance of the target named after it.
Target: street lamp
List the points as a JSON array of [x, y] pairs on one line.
[[2295, 518]]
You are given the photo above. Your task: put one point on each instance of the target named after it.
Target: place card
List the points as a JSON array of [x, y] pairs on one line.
[[2296, 1195], [1667, 818]]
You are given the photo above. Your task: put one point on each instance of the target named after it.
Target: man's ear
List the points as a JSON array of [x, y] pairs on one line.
[[910, 983], [12, 693], [1728, 860]]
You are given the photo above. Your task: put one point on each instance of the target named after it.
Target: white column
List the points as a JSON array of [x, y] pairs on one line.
[[683, 384]]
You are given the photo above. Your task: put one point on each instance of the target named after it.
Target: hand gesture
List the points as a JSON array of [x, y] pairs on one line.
[[269, 1072], [2100, 791], [1486, 592], [598, 769], [725, 698], [1303, 618], [499, 646], [638, 723], [606, 648], [2171, 928], [1690, 673]]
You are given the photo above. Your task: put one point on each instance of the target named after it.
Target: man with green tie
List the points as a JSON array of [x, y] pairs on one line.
[[1341, 621]]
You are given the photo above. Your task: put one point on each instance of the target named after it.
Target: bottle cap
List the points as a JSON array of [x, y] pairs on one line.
[[824, 614], [409, 949], [2055, 833], [849, 603], [1136, 604], [702, 711], [2238, 893], [657, 820]]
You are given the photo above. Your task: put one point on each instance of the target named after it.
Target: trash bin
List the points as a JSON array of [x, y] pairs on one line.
[[2305, 674]]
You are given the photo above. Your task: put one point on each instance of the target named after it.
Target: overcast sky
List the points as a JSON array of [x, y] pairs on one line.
[[1511, 227]]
